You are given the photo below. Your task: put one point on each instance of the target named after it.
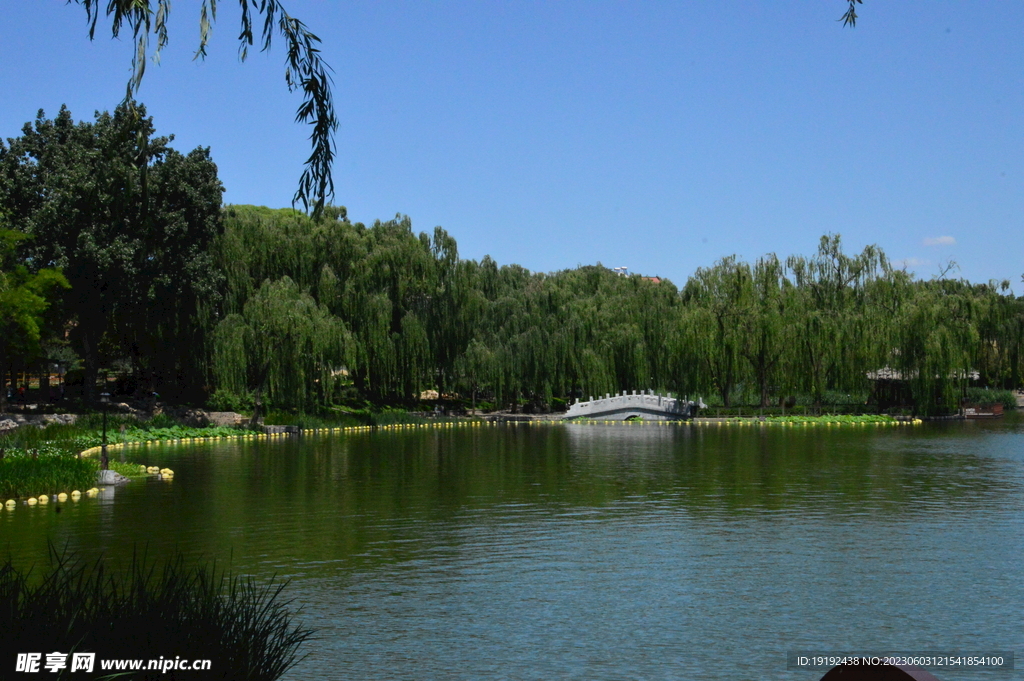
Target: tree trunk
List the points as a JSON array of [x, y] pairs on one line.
[[257, 409], [91, 361], [3, 380], [44, 383]]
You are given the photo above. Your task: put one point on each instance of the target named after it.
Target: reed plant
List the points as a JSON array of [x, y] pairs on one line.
[[46, 470], [147, 610]]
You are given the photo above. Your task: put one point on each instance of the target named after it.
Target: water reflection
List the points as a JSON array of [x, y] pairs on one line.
[[589, 551]]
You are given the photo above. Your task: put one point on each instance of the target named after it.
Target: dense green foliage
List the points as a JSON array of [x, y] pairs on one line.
[[128, 221], [52, 472], [252, 308], [146, 610], [986, 396], [24, 298], [409, 315]]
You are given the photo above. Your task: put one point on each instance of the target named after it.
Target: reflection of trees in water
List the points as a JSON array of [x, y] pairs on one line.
[[318, 504], [813, 469]]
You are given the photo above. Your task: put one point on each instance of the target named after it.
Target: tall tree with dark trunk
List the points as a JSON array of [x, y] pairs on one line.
[[129, 221]]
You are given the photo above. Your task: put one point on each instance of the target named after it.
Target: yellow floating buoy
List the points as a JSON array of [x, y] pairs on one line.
[[92, 492], [32, 501], [166, 471], [76, 495], [11, 503], [43, 499], [63, 496]]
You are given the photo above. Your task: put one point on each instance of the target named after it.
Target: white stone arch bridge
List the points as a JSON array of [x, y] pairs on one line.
[[645, 405]]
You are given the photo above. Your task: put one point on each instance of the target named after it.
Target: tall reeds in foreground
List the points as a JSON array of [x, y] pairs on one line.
[[146, 611]]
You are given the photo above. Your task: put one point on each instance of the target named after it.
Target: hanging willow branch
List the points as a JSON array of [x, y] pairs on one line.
[[850, 17], [305, 70]]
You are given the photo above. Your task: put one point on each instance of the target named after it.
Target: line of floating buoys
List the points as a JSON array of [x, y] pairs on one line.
[[44, 499], [451, 424], [742, 422]]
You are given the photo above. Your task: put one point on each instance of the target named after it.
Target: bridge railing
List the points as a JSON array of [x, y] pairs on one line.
[[647, 401]]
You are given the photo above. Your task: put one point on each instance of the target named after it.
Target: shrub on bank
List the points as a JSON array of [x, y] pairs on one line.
[[1007, 398], [797, 410], [148, 611]]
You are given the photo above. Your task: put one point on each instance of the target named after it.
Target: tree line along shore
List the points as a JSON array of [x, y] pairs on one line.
[[117, 259]]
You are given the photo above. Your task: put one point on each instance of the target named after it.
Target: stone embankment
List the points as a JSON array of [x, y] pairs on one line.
[[12, 421]]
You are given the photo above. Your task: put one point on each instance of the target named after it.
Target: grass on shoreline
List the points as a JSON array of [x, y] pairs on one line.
[[51, 469], [833, 418], [46, 460]]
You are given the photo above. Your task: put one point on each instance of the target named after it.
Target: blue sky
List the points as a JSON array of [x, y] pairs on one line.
[[656, 135]]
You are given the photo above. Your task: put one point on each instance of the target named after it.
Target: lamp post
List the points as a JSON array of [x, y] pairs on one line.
[[104, 461]]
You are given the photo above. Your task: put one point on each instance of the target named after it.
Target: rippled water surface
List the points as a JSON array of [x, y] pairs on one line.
[[596, 552]]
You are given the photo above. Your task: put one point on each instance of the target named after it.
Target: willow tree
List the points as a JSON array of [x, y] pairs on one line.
[[475, 369], [938, 343], [849, 18], [1001, 335], [833, 325], [766, 325], [387, 301], [720, 297], [455, 308], [305, 69], [283, 346]]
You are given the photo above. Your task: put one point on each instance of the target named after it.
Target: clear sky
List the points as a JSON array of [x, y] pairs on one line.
[[656, 135]]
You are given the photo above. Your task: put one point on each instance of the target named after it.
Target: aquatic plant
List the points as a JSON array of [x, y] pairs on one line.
[[833, 418], [49, 471], [147, 611]]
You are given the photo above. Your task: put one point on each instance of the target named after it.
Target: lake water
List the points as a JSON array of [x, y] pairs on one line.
[[596, 551]]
